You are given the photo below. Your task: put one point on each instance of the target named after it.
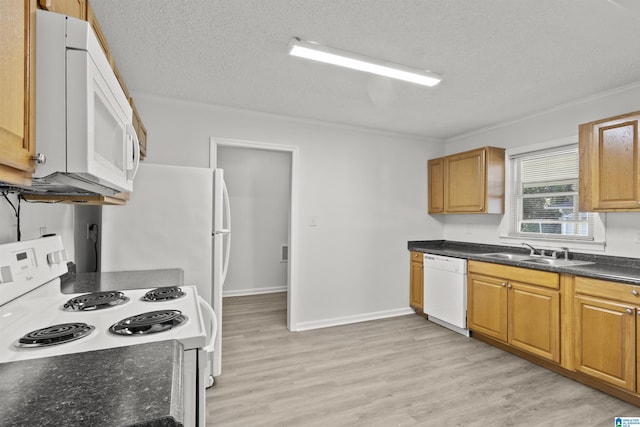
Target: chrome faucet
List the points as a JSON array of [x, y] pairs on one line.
[[533, 250], [564, 251]]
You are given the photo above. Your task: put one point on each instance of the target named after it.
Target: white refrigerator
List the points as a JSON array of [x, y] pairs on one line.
[[177, 217]]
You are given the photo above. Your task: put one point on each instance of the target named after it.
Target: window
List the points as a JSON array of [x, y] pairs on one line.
[[544, 196]]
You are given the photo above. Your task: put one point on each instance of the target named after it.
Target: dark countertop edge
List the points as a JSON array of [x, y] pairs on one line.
[[121, 280], [619, 269], [71, 366]]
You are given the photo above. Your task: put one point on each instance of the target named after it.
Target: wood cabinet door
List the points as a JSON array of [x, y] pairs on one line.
[[17, 85], [605, 340], [416, 278], [464, 182], [487, 306], [637, 350], [534, 320], [609, 169], [617, 153], [435, 169]]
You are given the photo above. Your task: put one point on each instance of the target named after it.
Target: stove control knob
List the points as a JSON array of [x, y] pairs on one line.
[[57, 257]]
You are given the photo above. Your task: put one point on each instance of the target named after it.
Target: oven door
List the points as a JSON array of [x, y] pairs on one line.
[[194, 381], [197, 371], [102, 145]]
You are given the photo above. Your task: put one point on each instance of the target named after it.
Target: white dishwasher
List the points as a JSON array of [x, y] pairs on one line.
[[445, 292]]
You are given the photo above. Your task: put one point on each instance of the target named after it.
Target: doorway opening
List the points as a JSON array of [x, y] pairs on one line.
[[262, 181]]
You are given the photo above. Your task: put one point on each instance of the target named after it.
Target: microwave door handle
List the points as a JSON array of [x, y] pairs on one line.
[[133, 145]]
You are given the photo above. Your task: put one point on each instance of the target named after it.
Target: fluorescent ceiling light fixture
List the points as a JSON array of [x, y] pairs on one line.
[[329, 55]]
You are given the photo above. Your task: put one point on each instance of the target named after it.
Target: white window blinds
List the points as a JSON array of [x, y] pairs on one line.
[[544, 202]]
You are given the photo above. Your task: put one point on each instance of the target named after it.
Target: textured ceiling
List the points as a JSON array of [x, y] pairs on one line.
[[501, 59]]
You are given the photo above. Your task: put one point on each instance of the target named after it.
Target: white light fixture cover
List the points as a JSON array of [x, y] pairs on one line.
[[317, 52]]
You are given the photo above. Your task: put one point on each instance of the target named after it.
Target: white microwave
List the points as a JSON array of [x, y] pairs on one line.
[[84, 132]]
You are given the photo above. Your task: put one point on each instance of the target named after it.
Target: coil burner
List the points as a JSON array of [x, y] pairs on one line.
[[149, 323], [163, 294], [96, 301], [55, 334]]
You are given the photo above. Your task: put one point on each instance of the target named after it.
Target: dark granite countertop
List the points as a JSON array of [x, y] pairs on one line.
[[122, 280], [619, 269], [138, 385]]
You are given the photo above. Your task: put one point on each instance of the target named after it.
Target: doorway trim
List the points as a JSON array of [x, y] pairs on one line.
[[292, 271]]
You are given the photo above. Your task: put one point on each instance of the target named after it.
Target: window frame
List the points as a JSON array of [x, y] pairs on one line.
[[508, 225]]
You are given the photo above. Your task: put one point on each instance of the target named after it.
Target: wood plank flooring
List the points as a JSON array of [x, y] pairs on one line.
[[403, 371]]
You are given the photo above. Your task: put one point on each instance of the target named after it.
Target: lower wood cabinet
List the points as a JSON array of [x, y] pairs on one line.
[[416, 281], [487, 306], [584, 328], [606, 331], [523, 314]]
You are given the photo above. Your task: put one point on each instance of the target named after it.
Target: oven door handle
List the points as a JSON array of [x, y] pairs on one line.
[[213, 322]]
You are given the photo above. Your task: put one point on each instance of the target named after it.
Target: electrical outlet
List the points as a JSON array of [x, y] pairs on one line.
[[92, 232], [43, 230]]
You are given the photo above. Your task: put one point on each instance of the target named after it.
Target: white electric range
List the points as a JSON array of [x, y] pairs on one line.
[[37, 320]]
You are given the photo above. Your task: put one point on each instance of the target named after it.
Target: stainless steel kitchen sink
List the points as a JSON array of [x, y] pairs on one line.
[[507, 255], [553, 262], [556, 262]]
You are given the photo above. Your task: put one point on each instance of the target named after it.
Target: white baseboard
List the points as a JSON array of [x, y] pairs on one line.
[[254, 291], [337, 321]]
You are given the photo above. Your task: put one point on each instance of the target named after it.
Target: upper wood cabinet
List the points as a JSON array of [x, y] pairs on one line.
[[141, 131], [17, 85], [468, 182], [436, 186], [609, 164]]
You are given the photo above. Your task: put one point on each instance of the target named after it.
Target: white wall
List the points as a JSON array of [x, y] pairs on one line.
[[367, 190], [259, 193], [561, 122], [37, 219]]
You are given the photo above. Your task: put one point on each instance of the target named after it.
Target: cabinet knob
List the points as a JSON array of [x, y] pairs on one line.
[[629, 311], [39, 158], [503, 284], [634, 292], [509, 286]]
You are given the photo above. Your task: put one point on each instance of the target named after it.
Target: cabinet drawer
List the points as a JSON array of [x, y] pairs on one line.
[[524, 275], [610, 290]]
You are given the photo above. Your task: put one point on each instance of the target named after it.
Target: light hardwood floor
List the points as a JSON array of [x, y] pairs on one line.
[[402, 371]]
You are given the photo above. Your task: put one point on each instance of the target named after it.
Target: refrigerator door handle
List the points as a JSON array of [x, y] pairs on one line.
[[225, 268]]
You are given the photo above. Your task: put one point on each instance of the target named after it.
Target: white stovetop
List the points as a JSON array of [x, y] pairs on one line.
[[42, 307]]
